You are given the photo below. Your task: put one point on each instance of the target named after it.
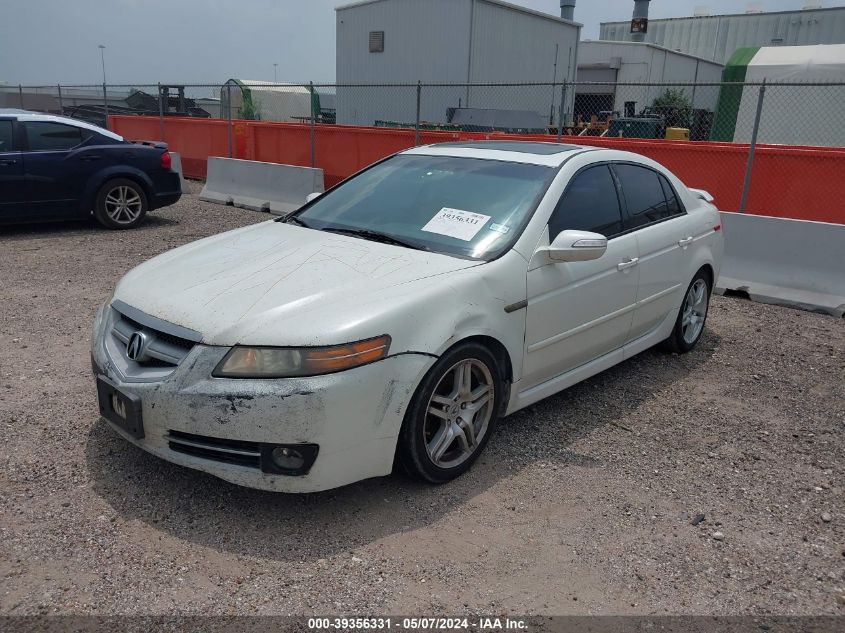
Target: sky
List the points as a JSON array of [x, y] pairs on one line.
[[208, 41]]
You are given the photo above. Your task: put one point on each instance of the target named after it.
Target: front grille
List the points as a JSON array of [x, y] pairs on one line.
[[237, 452], [163, 350], [169, 339]]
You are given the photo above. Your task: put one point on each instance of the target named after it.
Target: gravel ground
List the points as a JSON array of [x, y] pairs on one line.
[[583, 504]]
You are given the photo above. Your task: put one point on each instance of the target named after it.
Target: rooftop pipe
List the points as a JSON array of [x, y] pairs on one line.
[[567, 9], [640, 18]]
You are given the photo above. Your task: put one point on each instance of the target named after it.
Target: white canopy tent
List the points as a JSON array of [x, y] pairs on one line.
[[268, 101], [811, 115]]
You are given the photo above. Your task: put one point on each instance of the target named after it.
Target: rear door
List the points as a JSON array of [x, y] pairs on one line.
[[12, 183], [57, 168], [654, 214]]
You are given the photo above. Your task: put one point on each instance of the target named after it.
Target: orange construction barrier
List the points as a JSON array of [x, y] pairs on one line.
[[790, 182]]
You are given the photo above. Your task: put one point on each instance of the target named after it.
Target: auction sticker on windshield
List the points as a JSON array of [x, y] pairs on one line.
[[463, 225]]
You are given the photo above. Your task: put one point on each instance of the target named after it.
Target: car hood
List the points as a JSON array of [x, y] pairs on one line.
[[278, 284]]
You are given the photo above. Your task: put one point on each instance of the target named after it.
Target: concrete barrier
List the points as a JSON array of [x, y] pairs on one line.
[[259, 186], [176, 165], [786, 262]]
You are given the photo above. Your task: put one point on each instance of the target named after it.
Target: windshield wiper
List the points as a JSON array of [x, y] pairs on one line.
[[375, 236], [292, 219]]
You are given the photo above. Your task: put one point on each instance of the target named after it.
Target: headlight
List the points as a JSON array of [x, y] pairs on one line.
[[288, 362]]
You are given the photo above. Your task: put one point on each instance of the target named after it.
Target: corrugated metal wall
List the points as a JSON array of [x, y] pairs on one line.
[[717, 37], [423, 41], [448, 41], [509, 45]]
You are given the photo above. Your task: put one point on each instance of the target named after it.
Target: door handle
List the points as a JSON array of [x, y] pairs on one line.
[[685, 242], [629, 264], [89, 157], [8, 162]]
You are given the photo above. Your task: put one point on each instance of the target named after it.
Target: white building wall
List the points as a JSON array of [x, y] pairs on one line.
[[510, 45], [448, 42], [643, 63], [424, 40]]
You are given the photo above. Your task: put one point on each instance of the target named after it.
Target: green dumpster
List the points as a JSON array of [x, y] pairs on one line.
[[636, 128]]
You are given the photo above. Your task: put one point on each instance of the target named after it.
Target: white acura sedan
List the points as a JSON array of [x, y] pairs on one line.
[[397, 317]]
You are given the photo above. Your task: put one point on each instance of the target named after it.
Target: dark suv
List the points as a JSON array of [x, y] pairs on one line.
[[55, 168]]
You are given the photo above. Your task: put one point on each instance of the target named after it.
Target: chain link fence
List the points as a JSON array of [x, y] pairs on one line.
[[750, 117], [804, 114]]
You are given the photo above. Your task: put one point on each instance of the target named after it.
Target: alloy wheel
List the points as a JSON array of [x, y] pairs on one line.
[[458, 413], [694, 311], [123, 204]]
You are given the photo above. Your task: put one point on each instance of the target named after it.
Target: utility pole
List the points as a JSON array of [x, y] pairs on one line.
[[554, 90], [105, 98]]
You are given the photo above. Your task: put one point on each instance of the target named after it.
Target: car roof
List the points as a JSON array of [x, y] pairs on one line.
[[530, 152], [27, 115]]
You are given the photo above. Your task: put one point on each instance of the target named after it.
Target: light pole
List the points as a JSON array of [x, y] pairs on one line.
[[105, 99], [275, 67]]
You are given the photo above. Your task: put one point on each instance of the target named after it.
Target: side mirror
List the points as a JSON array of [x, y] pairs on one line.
[[577, 246], [312, 196]]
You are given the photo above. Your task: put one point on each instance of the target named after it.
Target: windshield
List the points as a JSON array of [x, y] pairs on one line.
[[460, 206]]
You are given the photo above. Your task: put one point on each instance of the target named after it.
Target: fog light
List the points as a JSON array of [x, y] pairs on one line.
[[288, 459]]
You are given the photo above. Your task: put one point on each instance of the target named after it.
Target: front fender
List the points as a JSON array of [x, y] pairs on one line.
[[480, 295]]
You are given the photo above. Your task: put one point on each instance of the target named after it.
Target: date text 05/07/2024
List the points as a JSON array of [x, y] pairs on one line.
[[417, 624]]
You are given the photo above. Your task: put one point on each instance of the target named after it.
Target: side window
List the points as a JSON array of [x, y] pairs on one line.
[[675, 207], [6, 138], [590, 203], [46, 135], [643, 195]]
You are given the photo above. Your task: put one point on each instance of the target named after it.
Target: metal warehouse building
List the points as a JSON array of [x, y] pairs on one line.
[[445, 42], [716, 37], [639, 63]]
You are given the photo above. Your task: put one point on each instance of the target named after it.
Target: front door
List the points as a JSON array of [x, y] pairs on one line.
[[56, 172], [12, 187], [579, 311]]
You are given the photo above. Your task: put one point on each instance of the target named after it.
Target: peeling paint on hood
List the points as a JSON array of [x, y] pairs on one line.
[[259, 279]]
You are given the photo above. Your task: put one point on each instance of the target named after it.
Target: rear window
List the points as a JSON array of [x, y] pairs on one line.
[[675, 207], [47, 136], [643, 194], [6, 141]]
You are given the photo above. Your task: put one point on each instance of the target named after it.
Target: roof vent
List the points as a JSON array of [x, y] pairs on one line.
[[702, 11], [808, 6], [754, 7]]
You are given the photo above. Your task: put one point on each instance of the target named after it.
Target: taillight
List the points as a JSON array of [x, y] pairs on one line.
[[165, 160]]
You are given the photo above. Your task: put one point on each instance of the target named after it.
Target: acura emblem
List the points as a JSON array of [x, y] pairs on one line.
[[137, 346]]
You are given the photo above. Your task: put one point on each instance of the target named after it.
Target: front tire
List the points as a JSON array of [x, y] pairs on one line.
[[691, 318], [121, 204], [452, 415]]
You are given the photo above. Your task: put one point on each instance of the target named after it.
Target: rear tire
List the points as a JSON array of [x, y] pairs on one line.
[[452, 414], [692, 316], [121, 204]]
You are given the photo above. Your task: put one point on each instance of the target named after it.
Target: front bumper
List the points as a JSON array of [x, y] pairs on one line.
[[354, 416]]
